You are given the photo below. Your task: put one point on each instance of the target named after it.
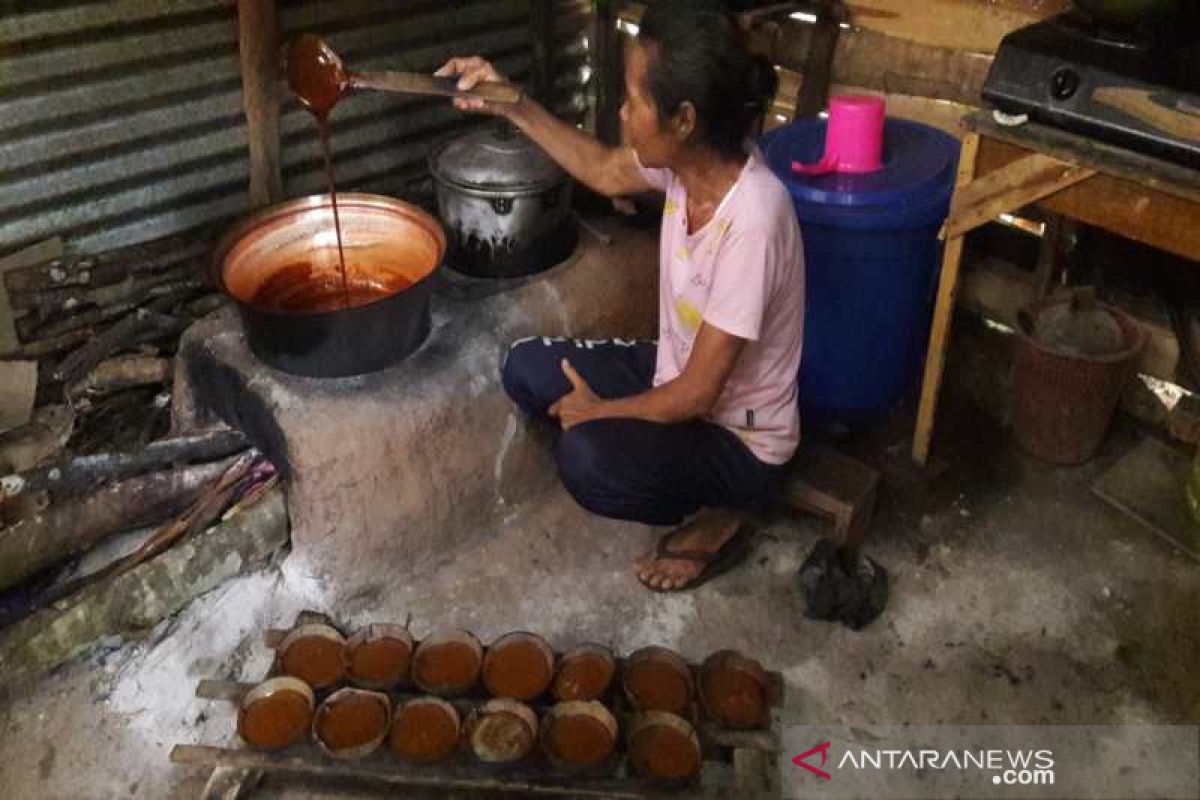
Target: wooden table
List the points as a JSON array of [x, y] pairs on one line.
[[1002, 169]]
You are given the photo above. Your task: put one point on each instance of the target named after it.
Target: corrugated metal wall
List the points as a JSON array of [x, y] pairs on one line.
[[122, 121]]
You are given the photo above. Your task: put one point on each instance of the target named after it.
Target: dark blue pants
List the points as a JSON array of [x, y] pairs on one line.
[[628, 468]]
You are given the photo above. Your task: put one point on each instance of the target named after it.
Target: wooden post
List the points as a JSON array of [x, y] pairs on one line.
[[939, 335], [541, 33], [258, 43], [818, 66], [1050, 251], [610, 62]]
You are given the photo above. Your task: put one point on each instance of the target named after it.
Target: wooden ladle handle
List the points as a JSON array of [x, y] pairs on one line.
[[416, 83]]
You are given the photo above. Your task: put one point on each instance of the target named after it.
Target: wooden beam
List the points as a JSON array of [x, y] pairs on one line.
[[818, 68], [977, 25], [1127, 208], [227, 783], [610, 62], [900, 66], [1145, 170], [258, 43], [939, 335], [1026, 180], [392, 773]]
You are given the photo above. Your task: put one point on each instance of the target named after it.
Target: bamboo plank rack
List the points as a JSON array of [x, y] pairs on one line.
[[751, 756]]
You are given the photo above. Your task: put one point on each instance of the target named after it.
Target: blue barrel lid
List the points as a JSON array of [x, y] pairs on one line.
[[912, 189]]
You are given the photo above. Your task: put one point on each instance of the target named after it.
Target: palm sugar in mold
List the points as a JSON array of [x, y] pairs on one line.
[[584, 673], [657, 679], [315, 654], [448, 663], [519, 666], [664, 747], [733, 690], [276, 714], [502, 731], [379, 656], [578, 734], [426, 729], [352, 722]]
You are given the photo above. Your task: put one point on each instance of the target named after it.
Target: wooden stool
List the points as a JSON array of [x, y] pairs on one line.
[[832, 485]]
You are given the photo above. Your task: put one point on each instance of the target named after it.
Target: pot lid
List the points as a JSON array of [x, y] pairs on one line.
[[495, 157]]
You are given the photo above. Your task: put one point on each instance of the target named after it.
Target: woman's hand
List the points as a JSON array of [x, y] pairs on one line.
[[471, 71], [579, 405]]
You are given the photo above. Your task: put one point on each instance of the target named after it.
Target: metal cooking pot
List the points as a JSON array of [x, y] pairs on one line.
[[505, 204], [281, 268], [1125, 12]]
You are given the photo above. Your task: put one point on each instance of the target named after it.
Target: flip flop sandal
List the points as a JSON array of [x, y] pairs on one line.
[[729, 555]]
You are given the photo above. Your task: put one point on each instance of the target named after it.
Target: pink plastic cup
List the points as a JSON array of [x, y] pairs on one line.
[[853, 137]]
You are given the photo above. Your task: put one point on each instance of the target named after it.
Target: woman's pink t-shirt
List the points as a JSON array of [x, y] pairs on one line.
[[743, 272]]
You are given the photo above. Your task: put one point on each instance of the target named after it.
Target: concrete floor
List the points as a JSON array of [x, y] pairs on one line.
[[1017, 597]]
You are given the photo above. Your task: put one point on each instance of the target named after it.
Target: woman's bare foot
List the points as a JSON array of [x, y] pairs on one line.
[[704, 533]]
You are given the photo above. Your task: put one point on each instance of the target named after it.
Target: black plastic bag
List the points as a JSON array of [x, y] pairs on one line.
[[840, 586]]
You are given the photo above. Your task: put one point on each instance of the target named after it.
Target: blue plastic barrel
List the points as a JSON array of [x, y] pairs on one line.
[[872, 255]]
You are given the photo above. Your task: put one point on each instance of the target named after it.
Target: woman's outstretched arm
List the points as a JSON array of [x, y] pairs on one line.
[[611, 171]]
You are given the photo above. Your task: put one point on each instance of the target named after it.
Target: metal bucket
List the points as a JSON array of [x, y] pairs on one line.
[[1065, 401]]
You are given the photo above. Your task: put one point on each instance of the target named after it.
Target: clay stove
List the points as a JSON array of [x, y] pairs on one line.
[[389, 470]]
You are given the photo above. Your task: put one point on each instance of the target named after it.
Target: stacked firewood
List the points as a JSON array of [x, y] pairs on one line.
[[85, 408]]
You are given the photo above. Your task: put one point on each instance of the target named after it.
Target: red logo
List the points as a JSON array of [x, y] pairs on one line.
[[823, 749]]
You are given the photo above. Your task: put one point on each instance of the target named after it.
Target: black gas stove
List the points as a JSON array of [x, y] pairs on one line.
[[1137, 87]]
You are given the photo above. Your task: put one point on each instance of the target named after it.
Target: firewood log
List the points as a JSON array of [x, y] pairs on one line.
[[124, 372], [120, 335], [72, 525], [36, 442], [138, 599], [113, 268], [84, 472]]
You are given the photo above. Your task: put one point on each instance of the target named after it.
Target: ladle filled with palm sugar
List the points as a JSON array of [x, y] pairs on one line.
[[275, 714], [519, 666], [352, 723], [448, 663], [578, 734], [315, 654], [502, 731], [319, 78], [584, 673], [733, 690], [379, 656], [664, 747], [425, 730], [658, 679]]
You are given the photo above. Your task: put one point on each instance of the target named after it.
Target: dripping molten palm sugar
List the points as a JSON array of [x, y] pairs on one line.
[[316, 76], [298, 287]]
